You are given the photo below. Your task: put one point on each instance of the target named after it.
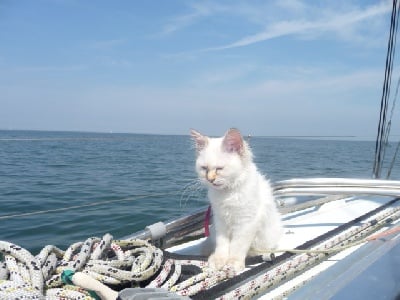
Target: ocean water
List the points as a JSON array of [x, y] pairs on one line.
[[62, 187]]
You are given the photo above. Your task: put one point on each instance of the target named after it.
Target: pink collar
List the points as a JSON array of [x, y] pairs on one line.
[[207, 221]]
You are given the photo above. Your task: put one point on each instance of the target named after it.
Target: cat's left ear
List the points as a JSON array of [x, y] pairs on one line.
[[200, 140], [233, 141]]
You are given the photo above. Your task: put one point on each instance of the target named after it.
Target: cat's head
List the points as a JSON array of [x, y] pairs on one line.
[[221, 161]]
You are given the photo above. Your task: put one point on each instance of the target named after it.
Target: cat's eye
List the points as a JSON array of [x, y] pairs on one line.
[[204, 168], [219, 168]]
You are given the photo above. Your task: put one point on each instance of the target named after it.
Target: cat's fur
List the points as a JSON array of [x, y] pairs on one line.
[[245, 217]]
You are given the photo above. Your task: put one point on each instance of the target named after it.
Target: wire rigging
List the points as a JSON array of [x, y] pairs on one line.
[[384, 125]]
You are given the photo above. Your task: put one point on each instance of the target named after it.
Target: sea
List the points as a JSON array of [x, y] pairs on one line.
[[58, 188]]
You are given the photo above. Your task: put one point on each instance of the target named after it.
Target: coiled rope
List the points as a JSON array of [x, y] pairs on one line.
[[20, 276], [114, 263]]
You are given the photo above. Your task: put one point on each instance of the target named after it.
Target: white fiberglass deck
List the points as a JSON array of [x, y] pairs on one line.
[[307, 224]]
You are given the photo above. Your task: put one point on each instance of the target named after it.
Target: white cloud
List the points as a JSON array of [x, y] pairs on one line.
[[200, 11], [329, 22]]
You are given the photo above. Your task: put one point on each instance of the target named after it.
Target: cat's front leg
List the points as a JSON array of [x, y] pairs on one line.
[[219, 258], [239, 247]]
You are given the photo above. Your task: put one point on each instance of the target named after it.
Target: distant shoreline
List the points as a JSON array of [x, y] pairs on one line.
[[308, 137]]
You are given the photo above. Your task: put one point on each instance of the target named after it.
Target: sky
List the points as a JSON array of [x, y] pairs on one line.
[[270, 68]]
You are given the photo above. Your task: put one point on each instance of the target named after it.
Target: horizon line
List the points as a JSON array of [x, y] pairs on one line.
[[244, 135]]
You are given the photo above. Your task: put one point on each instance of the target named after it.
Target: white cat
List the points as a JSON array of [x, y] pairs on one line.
[[245, 217]]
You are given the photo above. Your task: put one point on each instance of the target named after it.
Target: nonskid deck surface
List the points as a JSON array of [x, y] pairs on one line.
[[320, 220], [310, 223]]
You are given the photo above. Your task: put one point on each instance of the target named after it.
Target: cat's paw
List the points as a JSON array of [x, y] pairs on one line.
[[236, 263], [217, 262]]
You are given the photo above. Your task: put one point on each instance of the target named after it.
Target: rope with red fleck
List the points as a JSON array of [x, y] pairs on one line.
[[309, 258]]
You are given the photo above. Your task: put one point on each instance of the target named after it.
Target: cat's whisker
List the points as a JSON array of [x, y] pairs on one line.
[[196, 188], [189, 186], [196, 191], [189, 190]]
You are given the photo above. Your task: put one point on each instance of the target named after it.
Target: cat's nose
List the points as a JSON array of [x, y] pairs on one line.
[[211, 175]]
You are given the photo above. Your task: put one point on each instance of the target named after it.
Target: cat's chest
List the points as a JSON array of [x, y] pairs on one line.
[[233, 206]]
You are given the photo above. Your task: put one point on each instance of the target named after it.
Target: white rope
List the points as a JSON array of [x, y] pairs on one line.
[[24, 276], [305, 260]]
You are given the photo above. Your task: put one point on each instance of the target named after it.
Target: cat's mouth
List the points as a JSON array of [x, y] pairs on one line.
[[215, 184]]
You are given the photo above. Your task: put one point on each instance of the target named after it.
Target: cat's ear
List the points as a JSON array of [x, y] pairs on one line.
[[233, 141], [200, 140]]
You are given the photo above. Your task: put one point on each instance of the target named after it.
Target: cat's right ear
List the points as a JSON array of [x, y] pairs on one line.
[[199, 139]]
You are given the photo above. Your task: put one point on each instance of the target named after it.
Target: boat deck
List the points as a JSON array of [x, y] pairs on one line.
[[310, 224]]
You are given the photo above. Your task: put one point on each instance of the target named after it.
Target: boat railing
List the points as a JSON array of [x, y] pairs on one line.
[[191, 227], [336, 186]]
